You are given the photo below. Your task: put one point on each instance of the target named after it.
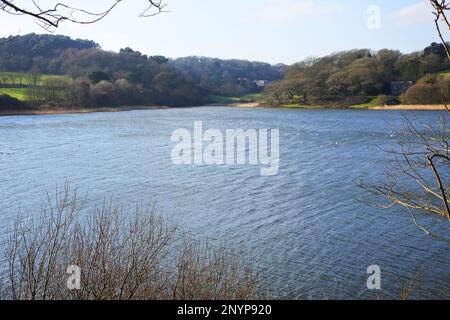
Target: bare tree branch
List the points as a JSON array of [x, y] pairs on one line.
[[440, 8], [423, 156], [419, 179], [52, 17]]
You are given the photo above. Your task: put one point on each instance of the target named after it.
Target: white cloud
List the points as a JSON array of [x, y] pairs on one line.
[[417, 13], [289, 9]]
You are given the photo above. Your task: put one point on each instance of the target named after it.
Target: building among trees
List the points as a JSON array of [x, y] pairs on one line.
[[400, 87]]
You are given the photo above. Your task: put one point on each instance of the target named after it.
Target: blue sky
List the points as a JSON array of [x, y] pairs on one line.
[[266, 30]]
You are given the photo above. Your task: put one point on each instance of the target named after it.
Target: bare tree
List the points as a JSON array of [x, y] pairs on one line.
[[52, 16], [420, 178], [440, 13]]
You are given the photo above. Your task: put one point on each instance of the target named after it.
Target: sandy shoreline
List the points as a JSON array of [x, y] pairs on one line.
[[398, 107], [411, 107]]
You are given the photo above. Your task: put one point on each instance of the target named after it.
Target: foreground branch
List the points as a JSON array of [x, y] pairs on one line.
[[419, 180], [52, 17], [440, 9]]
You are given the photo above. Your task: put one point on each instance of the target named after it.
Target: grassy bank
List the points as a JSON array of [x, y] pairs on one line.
[[375, 103], [370, 106], [358, 107], [411, 107], [249, 98], [302, 107]]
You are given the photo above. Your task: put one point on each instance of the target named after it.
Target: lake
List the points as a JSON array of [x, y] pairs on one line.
[[309, 228]]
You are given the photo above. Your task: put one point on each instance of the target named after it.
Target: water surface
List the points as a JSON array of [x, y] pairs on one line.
[[308, 227]]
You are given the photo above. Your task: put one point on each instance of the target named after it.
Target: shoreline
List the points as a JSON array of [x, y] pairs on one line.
[[57, 111], [423, 107], [397, 107], [251, 105]]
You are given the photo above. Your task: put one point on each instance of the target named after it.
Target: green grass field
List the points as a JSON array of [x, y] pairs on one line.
[[224, 99], [18, 93], [372, 104], [18, 78], [22, 79], [300, 106], [254, 97]]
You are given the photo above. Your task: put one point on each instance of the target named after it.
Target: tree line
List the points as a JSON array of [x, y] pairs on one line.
[[97, 78], [228, 77], [356, 76]]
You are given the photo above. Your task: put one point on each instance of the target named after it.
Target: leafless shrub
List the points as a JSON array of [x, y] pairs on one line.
[[122, 255], [209, 273], [410, 288]]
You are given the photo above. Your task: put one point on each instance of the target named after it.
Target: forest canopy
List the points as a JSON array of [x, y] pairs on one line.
[[59, 71], [97, 77], [356, 76]]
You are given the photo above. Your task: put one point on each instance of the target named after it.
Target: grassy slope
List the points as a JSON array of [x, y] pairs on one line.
[[18, 93], [300, 106], [254, 97], [16, 78], [24, 78], [223, 99], [372, 104]]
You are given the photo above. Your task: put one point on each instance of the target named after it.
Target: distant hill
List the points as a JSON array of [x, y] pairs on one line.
[[92, 77], [96, 77], [20, 53], [229, 77], [362, 76]]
